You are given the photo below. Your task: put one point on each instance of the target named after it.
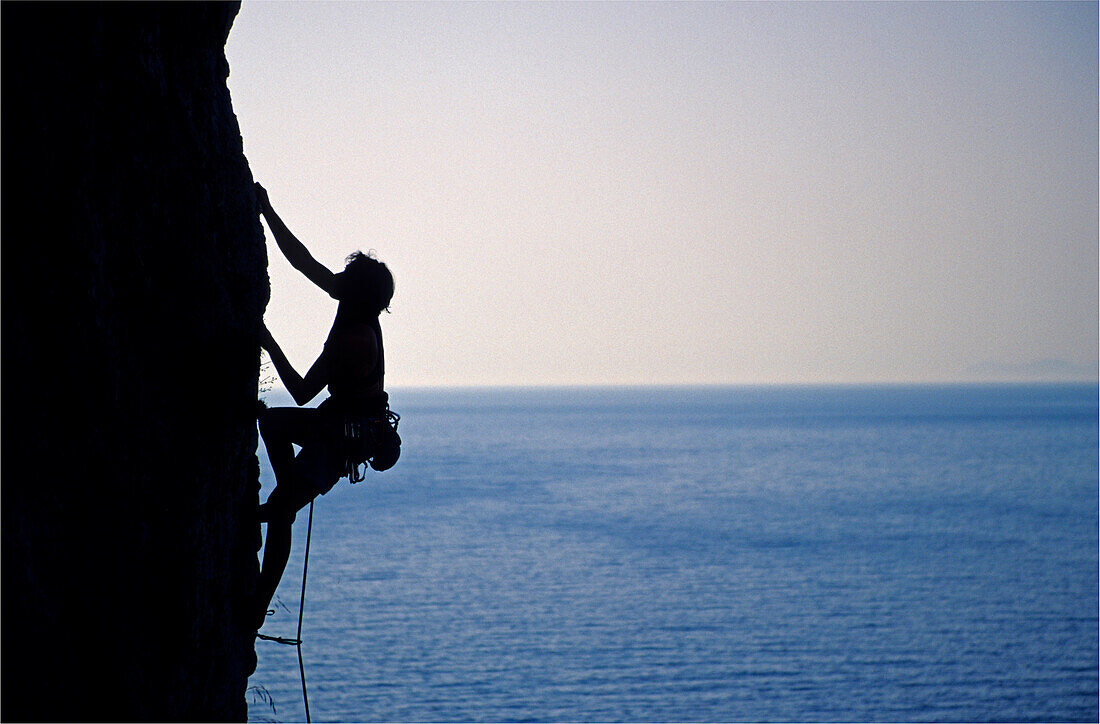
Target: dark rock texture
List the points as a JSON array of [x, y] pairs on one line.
[[134, 283]]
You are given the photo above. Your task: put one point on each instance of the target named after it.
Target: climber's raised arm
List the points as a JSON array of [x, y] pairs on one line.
[[301, 389], [294, 250]]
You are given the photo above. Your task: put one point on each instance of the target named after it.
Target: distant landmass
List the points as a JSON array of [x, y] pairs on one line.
[[1040, 370]]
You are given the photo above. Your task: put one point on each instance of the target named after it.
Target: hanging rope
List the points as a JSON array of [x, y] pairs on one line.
[[297, 642]]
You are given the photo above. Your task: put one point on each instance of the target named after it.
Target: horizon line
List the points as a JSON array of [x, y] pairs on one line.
[[716, 385]]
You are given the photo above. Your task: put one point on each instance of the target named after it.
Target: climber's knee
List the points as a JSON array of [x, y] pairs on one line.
[[279, 508], [275, 513]]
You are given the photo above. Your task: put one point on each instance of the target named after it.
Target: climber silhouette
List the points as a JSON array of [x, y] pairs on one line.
[[333, 442]]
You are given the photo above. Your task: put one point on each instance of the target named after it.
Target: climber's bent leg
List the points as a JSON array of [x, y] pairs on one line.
[[282, 428]]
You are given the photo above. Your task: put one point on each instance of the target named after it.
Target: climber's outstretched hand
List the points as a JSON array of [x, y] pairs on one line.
[[261, 197]]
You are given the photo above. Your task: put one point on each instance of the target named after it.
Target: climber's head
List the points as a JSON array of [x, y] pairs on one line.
[[365, 287]]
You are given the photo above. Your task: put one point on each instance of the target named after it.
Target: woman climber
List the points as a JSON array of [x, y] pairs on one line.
[[353, 426]]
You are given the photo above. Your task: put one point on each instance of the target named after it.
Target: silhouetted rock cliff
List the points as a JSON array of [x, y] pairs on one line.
[[134, 281]]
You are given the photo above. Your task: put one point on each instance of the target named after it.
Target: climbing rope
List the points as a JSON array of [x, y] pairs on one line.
[[297, 642]]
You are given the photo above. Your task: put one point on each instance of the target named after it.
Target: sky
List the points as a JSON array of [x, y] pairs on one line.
[[686, 193]]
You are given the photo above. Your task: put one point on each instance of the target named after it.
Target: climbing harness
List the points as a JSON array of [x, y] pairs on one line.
[[297, 642], [372, 441]]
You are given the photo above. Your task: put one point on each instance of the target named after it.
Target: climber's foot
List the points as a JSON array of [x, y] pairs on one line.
[[252, 613], [261, 617]]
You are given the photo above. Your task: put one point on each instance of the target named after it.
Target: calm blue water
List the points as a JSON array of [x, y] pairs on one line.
[[763, 554]]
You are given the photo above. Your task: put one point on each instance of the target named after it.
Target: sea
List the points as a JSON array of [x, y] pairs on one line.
[[703, 554]]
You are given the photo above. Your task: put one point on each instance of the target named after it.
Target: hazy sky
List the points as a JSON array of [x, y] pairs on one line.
[[661, 193]]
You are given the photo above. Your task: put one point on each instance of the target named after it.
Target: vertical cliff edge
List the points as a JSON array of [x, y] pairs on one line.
[[134, 283]]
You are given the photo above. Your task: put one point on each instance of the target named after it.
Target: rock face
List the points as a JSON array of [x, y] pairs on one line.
[[134, 286]]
